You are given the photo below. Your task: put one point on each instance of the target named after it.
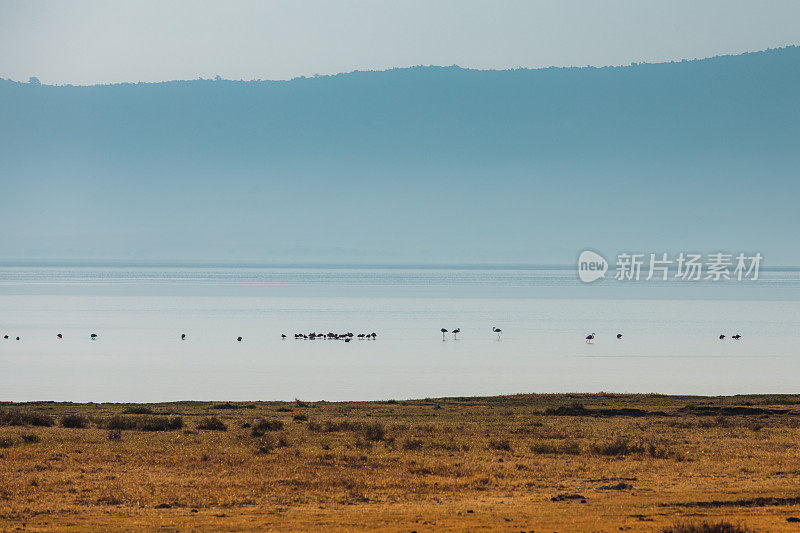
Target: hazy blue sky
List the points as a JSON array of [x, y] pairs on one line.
[[85, 42]]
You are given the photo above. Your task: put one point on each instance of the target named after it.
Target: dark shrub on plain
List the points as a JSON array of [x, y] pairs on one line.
[[120, 422], [267, 443], [30, 438], [6, 442], [114, 434], [374, 431], [300, 418], [622, 446], [707, 527], [74, 421], [619, 446], [342, 425], [212, 423], [412, 443], [261, 426], [500, 444], [574, 409], [14, 417], [138, 410], [149, 423], [159, 423]]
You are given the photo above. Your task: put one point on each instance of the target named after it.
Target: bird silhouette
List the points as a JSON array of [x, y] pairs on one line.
[[498, 331], [443, 332], [589, 338], [721, 337], [239, 339], [283, 335], [60, 336], [737, 337], [619, 335], [456, 332], [183, 336], [93, 336]]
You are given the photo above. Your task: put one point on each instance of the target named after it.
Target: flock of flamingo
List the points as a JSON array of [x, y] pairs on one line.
[[347, 337], [590, 337]]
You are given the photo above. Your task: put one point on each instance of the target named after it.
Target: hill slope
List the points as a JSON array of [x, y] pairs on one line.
[[411, 165]]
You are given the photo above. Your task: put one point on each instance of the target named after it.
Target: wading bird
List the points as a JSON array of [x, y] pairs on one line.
[[721, 337], [93, 336], [619, 335], [737, 337], [239, 339], [498, 331], [589, 338], [60, 336], [183, 336], [443, 332], [456, 332]]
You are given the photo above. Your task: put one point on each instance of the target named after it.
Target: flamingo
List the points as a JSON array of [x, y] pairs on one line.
[[498, 331], [373, 335], [590, 338], [239, 339], [283, 336], [443, 332], [737, 337], [456, 332], [183, 336], [722, 337], [619, 335], [17, 338], [60, 336], [93, 336]]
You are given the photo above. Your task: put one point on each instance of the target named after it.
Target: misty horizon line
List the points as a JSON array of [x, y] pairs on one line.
[[33, 80], [350, 265]]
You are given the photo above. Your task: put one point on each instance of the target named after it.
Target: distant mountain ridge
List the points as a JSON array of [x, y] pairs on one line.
[[424, 164], [414, 67]]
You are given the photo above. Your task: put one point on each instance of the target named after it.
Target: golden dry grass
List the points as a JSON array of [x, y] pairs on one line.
[[447, 464]]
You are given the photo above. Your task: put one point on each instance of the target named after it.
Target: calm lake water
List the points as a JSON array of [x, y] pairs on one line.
[[670, 329]]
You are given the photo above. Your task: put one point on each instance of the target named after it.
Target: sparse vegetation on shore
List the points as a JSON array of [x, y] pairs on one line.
[[601, 462]]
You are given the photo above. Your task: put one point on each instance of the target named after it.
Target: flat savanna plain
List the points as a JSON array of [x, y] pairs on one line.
[[571, 462]]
